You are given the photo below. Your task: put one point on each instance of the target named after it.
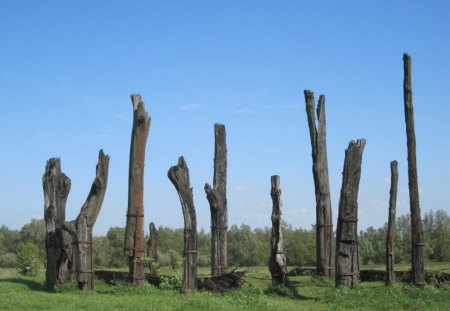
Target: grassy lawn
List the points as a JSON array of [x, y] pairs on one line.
[[305, 293]]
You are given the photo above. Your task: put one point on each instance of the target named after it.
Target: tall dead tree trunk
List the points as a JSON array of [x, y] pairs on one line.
[[179, 176], [134, 232], [418, 244], [390, 239], [324, 222], [152, 248], [56, 190], [81, 228], [217, 198], [277, 260], [347, 266]]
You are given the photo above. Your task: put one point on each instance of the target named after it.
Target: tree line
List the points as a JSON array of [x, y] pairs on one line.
[[246, 246]]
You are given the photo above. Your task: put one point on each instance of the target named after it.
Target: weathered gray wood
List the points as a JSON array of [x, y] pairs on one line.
[[179, 176], [217, 198], [277, 259], [56, 190], [390, 239], [418, 243], [81, 228], [152, 248], [324, 221], [134, 232], [347, 266]]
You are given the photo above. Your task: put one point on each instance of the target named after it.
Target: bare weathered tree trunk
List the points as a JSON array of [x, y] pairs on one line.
[[347, 266], [56, 190], [134, 232], [152, 248], [324, 222], [217, 198], [277, 260], [81, 228], [418, 244], [179, 176], [390, 239]]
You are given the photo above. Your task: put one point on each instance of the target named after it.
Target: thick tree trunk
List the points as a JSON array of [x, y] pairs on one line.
[[134, 232], [56, 189], [418, 244], [179, 176], [81, 228], [390, 239], [347, 266], [277, 260], [152, 248], [324, 222], [217, 198]]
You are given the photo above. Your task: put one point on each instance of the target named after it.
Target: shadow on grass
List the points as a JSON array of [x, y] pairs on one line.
[[31, 284], [289, 291]]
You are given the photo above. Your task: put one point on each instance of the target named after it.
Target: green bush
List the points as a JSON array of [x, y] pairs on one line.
[[27, 259], [8, 260]]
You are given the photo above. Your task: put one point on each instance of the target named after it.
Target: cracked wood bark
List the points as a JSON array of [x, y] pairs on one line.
[[81, 228], [134, 232], [179, 176], [152, 248], [418, 244], [347, 266], [324, 222], [217, 198], [390, 239], [277, 260], [56, 190]]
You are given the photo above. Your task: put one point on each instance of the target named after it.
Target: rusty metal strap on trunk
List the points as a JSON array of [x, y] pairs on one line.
[[135, 215], [190, 252], [420, 244], [82, 242], [325, 225], [349, 219], [219, 227]]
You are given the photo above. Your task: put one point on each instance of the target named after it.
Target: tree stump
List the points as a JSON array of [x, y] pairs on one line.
[[179, 176], [277, 260], [56, 190], [81, 228], [390, 239], [347, 266], [324, 221], [152, 248], [217, 198], [134, 232], [418, 244]]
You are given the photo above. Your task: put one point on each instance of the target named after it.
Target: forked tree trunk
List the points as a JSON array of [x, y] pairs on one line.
[[347, 266], [217, 198], [56, 190], [134, 232], [324, 221], [418, 244], [81, 228], [390, 239], [152, 248], [277, 260], [179, 176]]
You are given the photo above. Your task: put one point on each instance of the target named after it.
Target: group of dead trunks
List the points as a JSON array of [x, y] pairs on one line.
[[69, 244]]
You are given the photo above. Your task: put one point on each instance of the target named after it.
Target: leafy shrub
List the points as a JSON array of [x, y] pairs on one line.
[[27, 259], [8, 260]]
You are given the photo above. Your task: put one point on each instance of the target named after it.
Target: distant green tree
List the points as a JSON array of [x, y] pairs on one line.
[[28, 262], [34, 232], [116, 238]]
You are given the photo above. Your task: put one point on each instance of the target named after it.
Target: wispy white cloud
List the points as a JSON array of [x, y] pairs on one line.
[[120, 117], [190, 106], [386, 180], [242, 188]]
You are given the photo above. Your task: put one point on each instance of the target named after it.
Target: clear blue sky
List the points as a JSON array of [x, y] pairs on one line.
[[67, 69]]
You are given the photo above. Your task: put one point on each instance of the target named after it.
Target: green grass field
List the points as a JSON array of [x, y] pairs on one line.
[[305, 293]]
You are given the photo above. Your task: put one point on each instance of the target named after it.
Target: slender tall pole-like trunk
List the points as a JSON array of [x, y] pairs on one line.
[[179, 176], [277, 260], [56, 190], [390, 239], [134, 232], [152, 248], [217, 198], [418, 244], [81, 228], [324, 222], [347, 265]]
